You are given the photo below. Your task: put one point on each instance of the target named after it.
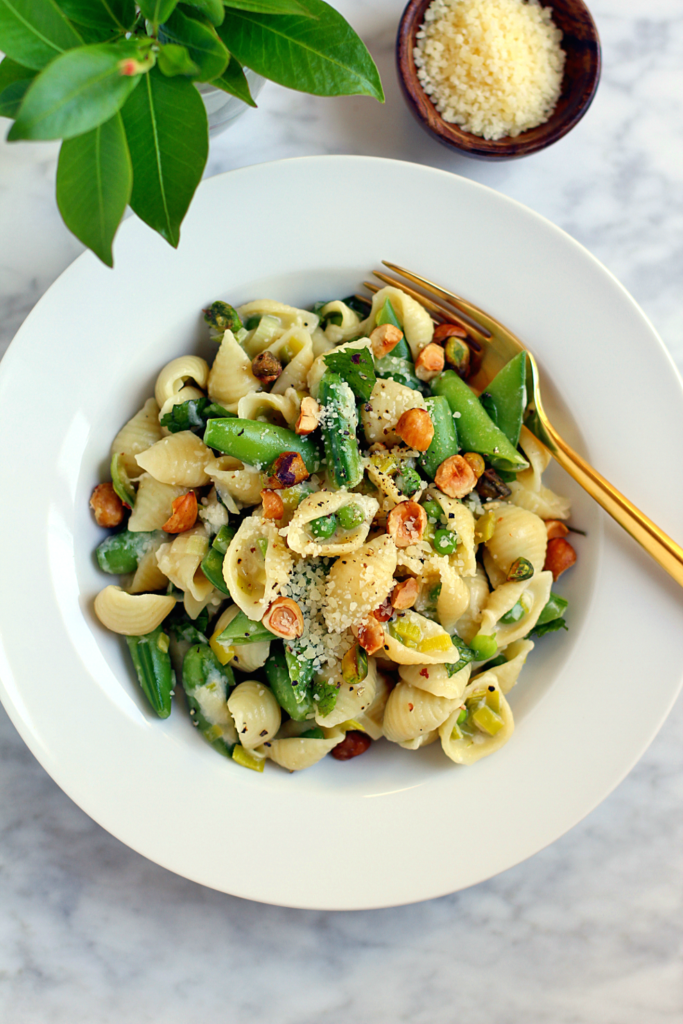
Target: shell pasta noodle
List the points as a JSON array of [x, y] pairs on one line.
[[321, 542]]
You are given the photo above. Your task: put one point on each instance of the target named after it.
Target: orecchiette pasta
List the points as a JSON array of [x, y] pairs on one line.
[[284, 548]]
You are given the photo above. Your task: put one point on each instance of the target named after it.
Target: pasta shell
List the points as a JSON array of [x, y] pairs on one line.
[[387, 403], [181, 560], [353, 699], [131, 614], [174, 374], [153, 504], [468, 750], [435, 679], [294, 753], [417, 323], [231, 378], [255, 580], [295, 350], [468, 623], [324, 503], [137, 435], [517, 534], [411, 713], [178, 459], [358, 583], [255, 712], [446, 654]]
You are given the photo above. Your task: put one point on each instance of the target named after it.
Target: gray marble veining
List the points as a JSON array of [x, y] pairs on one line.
[[587, 931]]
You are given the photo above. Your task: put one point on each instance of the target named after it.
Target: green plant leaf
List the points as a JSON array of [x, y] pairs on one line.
[[12, 97], [157, 11], [35, 31], [79, 90], [11, 71], [319, 54], [168, 137], [100, 13], [175, 60], [213, 10], [203, 45], [94, 182], [270, 6], [234, 81]]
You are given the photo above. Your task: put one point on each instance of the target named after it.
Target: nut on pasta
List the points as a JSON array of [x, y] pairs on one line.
[[284, 618]]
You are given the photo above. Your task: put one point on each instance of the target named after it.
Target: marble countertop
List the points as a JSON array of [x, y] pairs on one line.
[[585, 932]]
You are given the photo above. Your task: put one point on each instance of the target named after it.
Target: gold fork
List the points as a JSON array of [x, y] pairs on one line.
[[499, 346]]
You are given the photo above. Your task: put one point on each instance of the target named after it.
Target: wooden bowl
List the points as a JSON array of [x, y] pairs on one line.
[[581, 76]]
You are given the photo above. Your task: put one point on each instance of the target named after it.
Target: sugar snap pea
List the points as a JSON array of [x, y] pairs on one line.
[[339, 423], [445, 440], [243, 630], [505, 398], [206, 683], [290, 694], [153, 667], [259, 444], [476, 430], [121, 552]]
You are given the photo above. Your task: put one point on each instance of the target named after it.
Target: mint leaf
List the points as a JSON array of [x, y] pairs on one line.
[[94, 182], [547, 627], [203, 45], [356, 367], [34, 32], [192, 414], [234, 81], [168, 139], [319, 54], [77, 91], [118, 14]]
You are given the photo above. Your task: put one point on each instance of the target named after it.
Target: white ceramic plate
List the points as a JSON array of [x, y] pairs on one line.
[[392, 826]]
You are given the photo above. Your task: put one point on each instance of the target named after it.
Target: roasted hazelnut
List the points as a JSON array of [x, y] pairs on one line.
[[415, 428], [370, 635], [384, 338], [273, 505], [406, 523], [266, 367], [455, 477], [288, 470], [404, 594], [490, 485], [556, 528], [183, 514], [430, 362], [444, 331], [559, 556], [309, 416], [284, 618], [106, 505]]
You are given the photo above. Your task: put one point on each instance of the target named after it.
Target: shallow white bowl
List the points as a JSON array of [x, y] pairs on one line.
[[393, 826]]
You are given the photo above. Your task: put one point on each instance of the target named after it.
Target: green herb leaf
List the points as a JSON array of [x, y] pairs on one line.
[[466, 656], [175, 60], [184, 628], [34, 33], [213, 10], [270, 6], [356, 367], [157, 11], [203, 45], [325, 696], [319, 54], [192, 414], [234, 81], [168, 138], [548, 627], [77, 91], [94, 182], [119, 14]]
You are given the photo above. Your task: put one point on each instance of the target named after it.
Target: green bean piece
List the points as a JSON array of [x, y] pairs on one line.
[[292, 697], [207, 684], [324, 526], [484, 646], [325, 696], [246, 759], [505, 398], [312, 734], [445, 542], [221, 542], [259, 444], [433, 510], [547, 627], [153, 668], [121, 552], [387, 315], [243, 630], [401, 369], [555, 608], [121, 481], [445, 440], [212, 567], [350, 516], [339, 424], [476, 430]]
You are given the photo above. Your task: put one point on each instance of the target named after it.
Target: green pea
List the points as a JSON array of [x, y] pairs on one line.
[[324, 526], [350, 516], [410, 481], [484, 646], [445, 542], [433, 510]]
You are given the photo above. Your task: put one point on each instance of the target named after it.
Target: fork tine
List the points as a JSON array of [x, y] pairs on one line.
[[433, 307], [480, 319], [364, 299]]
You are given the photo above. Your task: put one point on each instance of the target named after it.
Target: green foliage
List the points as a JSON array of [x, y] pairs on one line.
[[94, 182], [114, 79], [356, 367]]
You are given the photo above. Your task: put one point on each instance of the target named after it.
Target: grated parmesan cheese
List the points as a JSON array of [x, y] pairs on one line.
[[494, 67]]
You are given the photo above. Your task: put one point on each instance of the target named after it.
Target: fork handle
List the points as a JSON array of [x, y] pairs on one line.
[[657, 543]]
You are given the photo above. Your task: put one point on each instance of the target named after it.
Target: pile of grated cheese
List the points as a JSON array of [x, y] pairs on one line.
[[494, 67]]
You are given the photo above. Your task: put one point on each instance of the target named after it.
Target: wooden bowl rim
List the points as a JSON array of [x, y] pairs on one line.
[[452, 135]]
